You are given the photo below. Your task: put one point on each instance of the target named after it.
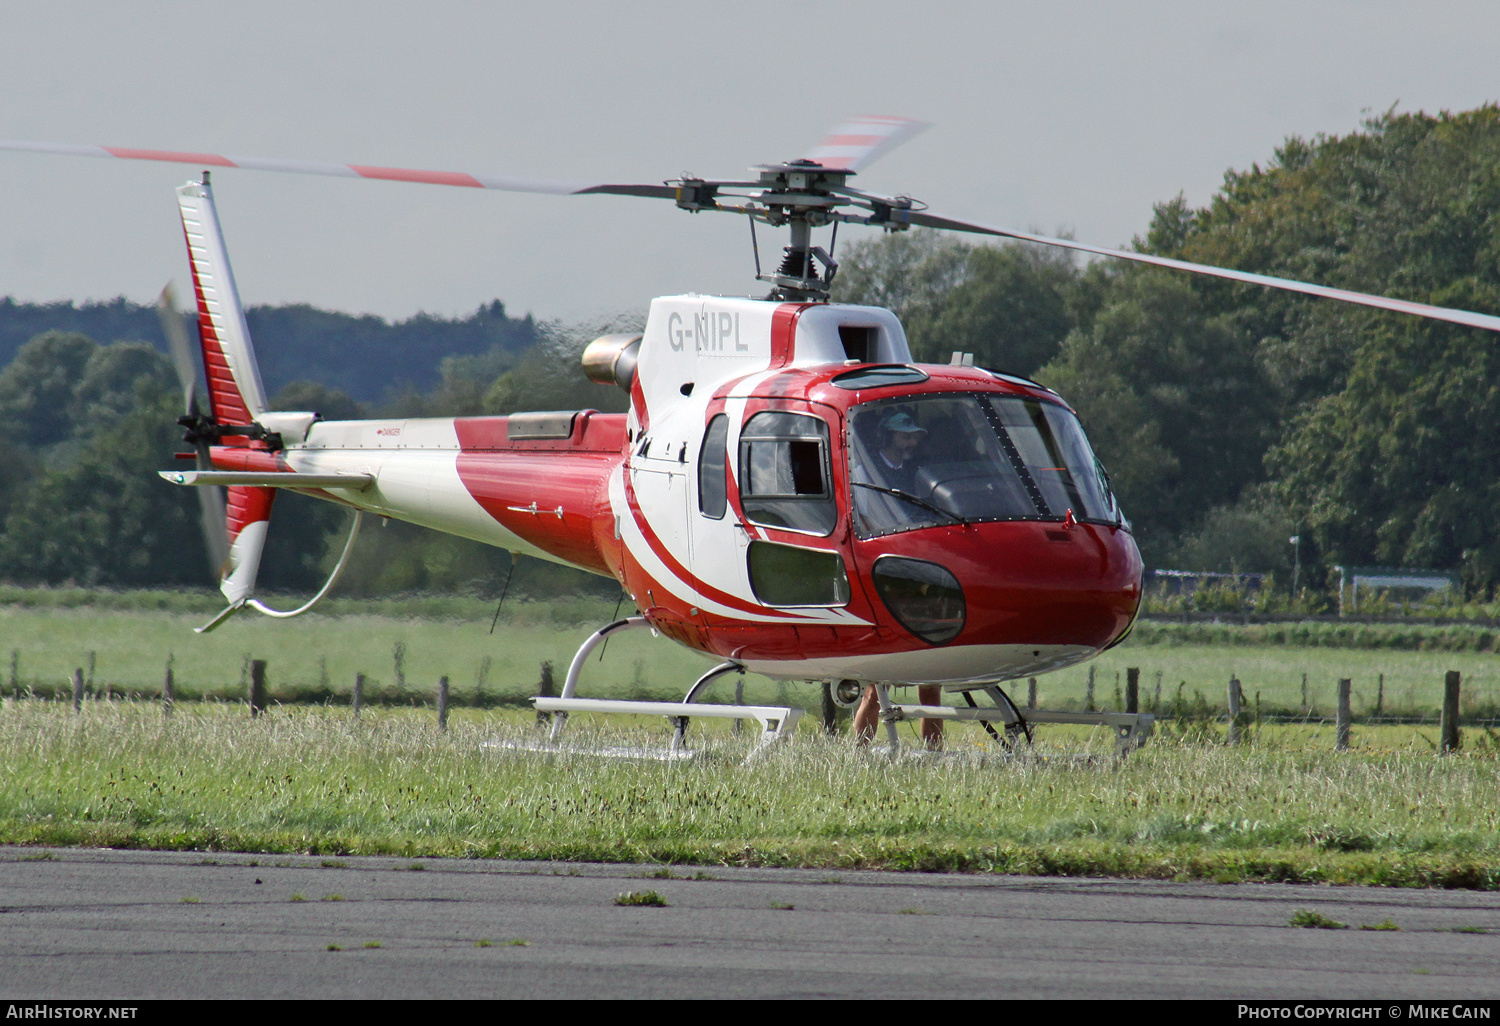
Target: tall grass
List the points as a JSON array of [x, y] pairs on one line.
[[316, 780]]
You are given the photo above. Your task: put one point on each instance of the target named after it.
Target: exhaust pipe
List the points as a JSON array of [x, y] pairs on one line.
[[611, 359]]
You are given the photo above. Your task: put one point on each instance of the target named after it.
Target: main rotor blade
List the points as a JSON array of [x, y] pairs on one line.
[[861, 141], [928, 219], [553, 186]]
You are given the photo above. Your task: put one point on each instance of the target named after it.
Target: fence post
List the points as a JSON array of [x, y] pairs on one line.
[[1341, 729], [257, 687], [1380, 696], [544, 688], [830, 710], [1089, 700], [739, 699], [398, 661], [443, 704], [481, 681], [78, 690], [1235, 700], [1305, 709], [359, 693], [1448, 729], [1031, 693], [1132, 689], [166, 689]]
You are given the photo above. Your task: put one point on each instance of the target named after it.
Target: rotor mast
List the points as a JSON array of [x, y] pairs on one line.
[[799, 195]]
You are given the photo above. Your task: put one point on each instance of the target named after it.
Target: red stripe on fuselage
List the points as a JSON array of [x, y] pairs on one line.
[[506, 477], [784, 333], [659, 548]]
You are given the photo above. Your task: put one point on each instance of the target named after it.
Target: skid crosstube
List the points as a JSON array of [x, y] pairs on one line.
[[776, 722], [1131, 729]]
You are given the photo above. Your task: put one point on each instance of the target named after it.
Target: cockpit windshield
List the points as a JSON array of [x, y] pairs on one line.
[[920, 461]]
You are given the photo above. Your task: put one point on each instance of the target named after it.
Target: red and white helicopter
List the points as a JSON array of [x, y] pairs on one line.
[[788, 492]]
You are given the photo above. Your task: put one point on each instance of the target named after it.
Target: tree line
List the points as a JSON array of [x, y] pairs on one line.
[[88, 425], [300, 342]]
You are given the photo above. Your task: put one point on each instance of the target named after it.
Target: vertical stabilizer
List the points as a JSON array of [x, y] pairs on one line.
[[235, 392], [236, 396]]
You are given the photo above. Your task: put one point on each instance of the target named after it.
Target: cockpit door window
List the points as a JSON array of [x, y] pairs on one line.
[[785, 478]]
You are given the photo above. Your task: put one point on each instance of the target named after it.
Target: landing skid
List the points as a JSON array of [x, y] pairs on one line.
[[778, 722], [1131, 729]]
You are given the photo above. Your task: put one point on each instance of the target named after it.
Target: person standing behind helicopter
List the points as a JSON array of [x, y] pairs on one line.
[[895, 466]]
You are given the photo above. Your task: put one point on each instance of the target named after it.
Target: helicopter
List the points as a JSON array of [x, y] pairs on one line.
[[789, 492]]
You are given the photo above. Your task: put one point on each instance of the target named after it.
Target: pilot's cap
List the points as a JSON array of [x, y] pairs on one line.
[[903, 422]]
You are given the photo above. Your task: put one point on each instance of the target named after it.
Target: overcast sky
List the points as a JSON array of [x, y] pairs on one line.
[[1074, 116]]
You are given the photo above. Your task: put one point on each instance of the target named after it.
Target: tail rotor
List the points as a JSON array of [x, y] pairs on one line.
[[210, 499]]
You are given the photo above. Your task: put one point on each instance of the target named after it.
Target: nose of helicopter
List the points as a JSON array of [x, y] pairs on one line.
[[1014, 583]]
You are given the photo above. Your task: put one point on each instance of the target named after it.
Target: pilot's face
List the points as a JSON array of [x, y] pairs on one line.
[[903, 445]]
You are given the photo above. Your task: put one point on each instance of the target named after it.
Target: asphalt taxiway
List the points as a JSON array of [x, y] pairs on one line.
[[84, 923]]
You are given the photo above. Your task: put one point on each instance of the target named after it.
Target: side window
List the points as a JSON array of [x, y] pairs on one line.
[[713, 469], [784, 474], [785, 575]]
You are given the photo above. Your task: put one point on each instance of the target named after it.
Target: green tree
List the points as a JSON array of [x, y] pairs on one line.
[[1009, 304], [311, 396], [1010, 311], [105, 518], [1399, 467], [550, 376], [37, 388], [1172, 399], [906, 272], [1388, 451]]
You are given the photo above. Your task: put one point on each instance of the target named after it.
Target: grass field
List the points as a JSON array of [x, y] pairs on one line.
[[1412, 685], [316, 656], [322, 654], [312, 779], [308, 778]]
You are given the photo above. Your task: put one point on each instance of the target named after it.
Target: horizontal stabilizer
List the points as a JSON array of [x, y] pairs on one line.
[[267, 479]]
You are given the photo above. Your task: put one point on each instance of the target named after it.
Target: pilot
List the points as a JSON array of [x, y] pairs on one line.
[[895, 460]]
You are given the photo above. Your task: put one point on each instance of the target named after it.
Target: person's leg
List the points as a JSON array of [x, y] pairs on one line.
[[866, 717], [932, 730]]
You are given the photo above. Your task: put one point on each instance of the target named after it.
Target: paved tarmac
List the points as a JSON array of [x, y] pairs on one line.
[[84, 923]]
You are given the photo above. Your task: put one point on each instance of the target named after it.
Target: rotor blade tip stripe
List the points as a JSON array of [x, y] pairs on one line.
[[400, 174], [173, 156]]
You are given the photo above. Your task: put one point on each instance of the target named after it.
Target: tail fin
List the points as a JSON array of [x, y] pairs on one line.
[[235, 392]]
